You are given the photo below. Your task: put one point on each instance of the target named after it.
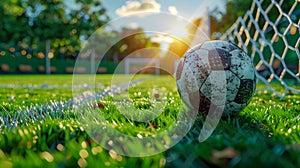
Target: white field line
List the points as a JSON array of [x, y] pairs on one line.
[[47, 86], [59, 109]]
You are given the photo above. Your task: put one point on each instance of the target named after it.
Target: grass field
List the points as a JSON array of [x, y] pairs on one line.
[[266, 133]]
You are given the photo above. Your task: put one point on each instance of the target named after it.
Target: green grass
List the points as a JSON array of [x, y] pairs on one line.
[[266, 133]]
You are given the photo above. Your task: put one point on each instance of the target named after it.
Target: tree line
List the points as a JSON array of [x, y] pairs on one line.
[[35, 28]]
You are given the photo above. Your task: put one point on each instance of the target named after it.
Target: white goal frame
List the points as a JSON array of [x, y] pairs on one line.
[[146, 62]]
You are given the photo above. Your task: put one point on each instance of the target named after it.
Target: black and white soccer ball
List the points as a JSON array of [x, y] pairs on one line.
[[204, 67]]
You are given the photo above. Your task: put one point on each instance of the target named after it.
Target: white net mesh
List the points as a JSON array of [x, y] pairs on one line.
[[269, 31]]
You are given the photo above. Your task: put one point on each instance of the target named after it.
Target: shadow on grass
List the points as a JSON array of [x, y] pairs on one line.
[[239, 141]]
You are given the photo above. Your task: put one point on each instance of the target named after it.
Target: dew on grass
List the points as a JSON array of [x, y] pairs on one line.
[[83, 144], [96, 150], [294, 127], [25, 131], [82, 162], [119, 158], [121, 139], [21, 132], [113, 154], [139, 136], [47, 156], [107, 163], [81, 128], [110, 143], [39, 127], [60, 147], [83, 153], [61, 126], [162, 162]]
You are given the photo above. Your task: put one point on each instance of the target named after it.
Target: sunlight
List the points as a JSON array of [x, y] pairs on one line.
[[161, 38], [178, 31], [164, 41]]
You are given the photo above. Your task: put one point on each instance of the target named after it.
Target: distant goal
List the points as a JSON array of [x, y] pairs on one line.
[[142, 66], [270, 33]]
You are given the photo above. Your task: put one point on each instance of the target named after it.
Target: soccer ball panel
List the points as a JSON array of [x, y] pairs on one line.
[[186, 97], [245, 91], [233, 83], [214, 88], [179, 69], [233, 108], [219, 59], [204, 104], [198, 64], [186, 81], [218, 44], [241, 65]]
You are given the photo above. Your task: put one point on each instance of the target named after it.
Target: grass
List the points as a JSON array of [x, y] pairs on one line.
[[265, 133]]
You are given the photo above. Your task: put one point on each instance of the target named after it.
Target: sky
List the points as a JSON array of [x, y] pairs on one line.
[[162, 20], [164, 16], [187, 8]]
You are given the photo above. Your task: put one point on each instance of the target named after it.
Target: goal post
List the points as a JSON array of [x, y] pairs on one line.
[[142, 65], [270, 33]]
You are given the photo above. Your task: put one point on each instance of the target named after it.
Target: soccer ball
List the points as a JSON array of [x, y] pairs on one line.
[[216, 75]]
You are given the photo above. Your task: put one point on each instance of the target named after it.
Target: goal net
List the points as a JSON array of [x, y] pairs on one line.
[[269, 32]]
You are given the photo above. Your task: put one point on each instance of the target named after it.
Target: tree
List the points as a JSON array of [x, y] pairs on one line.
[[234, 9], [13, 24], [50, 25], [54, 19]]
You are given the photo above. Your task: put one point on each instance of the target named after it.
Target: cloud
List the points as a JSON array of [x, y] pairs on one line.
[[135, 7], [159, 38], [133, 25], [173, 10]]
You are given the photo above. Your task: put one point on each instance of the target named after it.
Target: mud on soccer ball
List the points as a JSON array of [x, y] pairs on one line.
[[202, 69]]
